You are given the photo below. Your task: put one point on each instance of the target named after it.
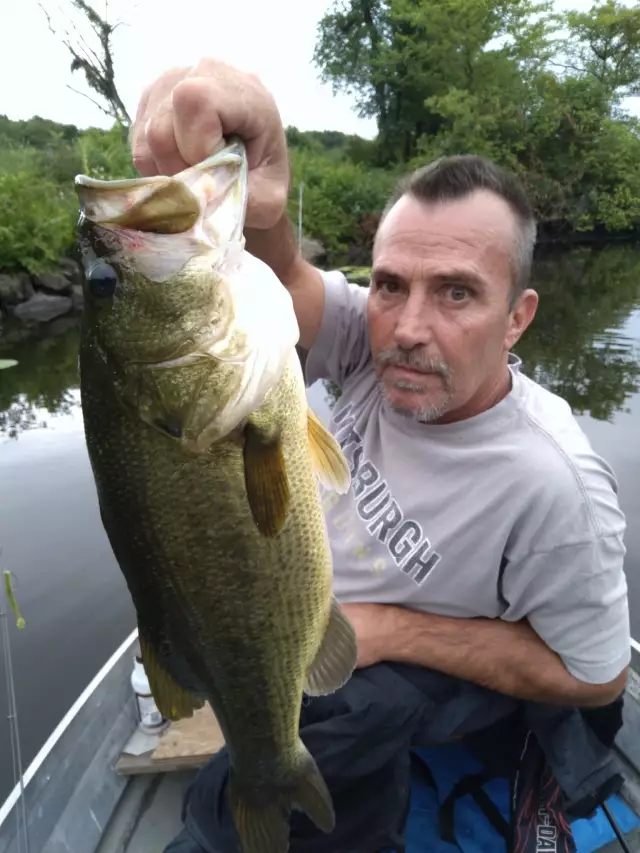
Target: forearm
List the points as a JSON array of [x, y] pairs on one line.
[[278, 248], [506, 657]]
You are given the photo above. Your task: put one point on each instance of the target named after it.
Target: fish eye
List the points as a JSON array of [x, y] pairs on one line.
[[102, 280]]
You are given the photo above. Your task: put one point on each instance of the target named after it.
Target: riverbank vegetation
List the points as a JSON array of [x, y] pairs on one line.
[[540, 92]]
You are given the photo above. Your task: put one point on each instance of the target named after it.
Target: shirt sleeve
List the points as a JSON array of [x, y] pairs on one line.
[[575, 598], [341, 347]]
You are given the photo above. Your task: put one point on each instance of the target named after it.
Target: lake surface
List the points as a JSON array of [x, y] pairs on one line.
[[584, 344]]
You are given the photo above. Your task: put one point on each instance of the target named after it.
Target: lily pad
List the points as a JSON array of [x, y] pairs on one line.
[[7, 362]]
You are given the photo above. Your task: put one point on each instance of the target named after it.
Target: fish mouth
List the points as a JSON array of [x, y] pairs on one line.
[[174, 204]]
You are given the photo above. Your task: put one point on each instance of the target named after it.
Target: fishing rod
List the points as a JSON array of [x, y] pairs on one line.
[[300, 191], [22, 830]]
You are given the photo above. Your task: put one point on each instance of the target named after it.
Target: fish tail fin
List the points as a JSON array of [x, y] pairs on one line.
[[262, 820]]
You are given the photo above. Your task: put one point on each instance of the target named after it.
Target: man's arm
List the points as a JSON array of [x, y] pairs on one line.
[[507, 657], [277, 248]]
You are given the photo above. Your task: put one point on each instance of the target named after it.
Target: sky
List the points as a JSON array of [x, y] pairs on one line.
[[155, 35]]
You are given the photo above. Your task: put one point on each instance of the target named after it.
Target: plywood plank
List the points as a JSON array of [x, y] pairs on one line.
[[185, 745], [196, 737]]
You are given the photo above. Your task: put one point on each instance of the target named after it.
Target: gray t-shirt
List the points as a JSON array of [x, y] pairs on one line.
[[508, 514]]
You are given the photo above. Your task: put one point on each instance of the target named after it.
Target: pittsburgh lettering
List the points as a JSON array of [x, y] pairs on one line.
[[377, 508]]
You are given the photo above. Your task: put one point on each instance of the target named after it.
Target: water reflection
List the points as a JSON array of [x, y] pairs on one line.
[[42, 383], [576, 345]]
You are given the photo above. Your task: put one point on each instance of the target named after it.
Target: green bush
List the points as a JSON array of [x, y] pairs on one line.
[[342, 200], [37, 222]]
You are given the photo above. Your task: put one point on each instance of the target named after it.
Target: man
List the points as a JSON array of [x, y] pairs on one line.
[[482, 536]]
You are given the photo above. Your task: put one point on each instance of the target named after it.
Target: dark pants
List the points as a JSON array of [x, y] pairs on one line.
[[361, 738], [190, 839], [184, 843]]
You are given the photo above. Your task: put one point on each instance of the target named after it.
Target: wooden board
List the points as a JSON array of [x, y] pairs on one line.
[[185, 745]]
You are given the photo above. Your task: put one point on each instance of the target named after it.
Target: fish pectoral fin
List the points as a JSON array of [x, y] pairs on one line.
[[173, 701], [262, 821], [329, 463], [265, 476], [336, 658]]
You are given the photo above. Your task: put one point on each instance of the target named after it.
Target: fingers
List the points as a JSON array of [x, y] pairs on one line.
[[184, 115], [197, 121], [207, 108], [153, 114], [159, 134]]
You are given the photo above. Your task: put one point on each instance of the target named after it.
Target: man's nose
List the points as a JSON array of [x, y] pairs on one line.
[[414, 323]]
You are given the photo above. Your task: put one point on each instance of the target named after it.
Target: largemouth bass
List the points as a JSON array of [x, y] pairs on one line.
[[206, 459]]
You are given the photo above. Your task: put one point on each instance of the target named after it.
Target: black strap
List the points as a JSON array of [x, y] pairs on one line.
[[471, 785], [420, 768], [614, 826]]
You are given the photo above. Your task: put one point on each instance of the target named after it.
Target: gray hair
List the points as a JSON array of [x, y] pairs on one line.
[[452, 178]]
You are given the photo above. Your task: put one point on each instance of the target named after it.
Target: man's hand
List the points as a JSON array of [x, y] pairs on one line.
[[507, 657], [182, 117], [185, 113]]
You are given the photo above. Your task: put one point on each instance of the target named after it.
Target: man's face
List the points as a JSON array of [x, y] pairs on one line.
[[439, 314]]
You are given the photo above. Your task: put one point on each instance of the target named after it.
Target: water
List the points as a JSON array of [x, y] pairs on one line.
[[584, 344]]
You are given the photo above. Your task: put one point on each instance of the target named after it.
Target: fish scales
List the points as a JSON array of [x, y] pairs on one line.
[[219, 545]]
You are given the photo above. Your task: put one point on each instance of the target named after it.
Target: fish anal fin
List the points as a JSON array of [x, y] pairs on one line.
[[265, 477], [262, 821], [329, 463], [337, 656], [173, 701]]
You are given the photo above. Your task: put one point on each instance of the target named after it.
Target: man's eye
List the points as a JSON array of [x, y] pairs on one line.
[[458, 292], [388, 286]]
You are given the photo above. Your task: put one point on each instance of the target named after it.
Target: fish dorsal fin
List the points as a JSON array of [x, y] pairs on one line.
[[327, 459]]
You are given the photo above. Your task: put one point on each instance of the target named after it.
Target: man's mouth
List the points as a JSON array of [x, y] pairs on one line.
[[411, 372]]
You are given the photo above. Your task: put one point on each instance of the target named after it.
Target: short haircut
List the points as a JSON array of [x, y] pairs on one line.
[[455, 177]]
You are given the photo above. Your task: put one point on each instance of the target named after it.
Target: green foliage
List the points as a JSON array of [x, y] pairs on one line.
[[36, 222], [38, 163], [342, 200], [605, 44], [536, 91], [105, 154]]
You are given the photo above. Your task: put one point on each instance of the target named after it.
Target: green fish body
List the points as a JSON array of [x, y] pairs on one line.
[[206, 460]]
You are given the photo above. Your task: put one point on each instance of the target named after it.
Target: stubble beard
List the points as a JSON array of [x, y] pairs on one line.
[[433, 409]]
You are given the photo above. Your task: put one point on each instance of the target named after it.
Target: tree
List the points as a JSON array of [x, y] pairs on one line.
[[499, 78], [605, 44], [398, 57], [96, 63]]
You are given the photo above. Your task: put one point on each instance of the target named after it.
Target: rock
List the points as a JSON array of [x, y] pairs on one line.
[[54, 281], [15, 288], [71, 270], [61, 325], [313, 251], [42, 307], [77, 297]]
